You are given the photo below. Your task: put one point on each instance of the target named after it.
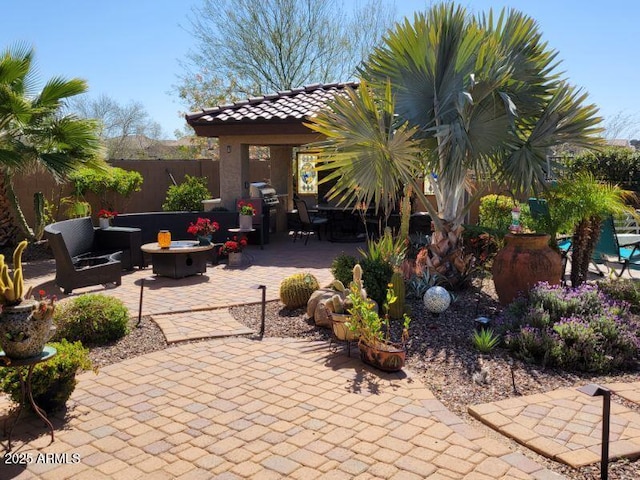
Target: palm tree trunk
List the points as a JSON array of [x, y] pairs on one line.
[[584, 241], [445, 255]]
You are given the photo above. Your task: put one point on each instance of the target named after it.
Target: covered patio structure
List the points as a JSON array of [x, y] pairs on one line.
[[275, 121]]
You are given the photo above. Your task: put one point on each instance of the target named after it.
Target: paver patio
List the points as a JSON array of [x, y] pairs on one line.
[[277, 408], [565, 425], [280, 408]]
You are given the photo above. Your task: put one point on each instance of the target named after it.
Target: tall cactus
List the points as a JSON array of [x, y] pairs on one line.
[[12, 287], [38, 208], [396, 309]]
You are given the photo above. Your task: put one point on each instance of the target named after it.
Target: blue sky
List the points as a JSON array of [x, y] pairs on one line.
[[129, 50]]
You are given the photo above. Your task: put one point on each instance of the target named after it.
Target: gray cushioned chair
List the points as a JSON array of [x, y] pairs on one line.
[[79, 263]]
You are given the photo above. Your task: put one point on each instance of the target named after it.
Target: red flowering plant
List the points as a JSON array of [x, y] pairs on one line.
[[203, 227], [245, 208], [233, 246], [108, 214], [45, 307]]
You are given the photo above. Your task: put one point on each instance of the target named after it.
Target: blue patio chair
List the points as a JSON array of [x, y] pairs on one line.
[[609, 250]]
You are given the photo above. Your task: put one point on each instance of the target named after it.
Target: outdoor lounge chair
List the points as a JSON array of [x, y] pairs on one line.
[[307, 223], [79, 261], [608, 250]]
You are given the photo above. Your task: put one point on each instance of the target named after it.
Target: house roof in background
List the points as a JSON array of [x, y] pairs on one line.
[[284, 107]]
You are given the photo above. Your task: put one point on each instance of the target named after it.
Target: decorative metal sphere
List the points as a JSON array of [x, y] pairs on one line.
[[437, 299]]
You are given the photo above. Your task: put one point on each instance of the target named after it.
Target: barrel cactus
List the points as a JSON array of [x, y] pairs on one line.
[[296, 290]]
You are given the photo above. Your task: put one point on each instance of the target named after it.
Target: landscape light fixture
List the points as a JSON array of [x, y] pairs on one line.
[[264, 306], [482, 323], [141, 293], [594, 390]]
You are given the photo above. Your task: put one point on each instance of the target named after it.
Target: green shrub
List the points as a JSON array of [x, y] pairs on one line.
[[376, 275], [93, 319], [495, 214], [109, 184], [577, 329], [53, 381], [342, 268], [615, 165], [187, 196]]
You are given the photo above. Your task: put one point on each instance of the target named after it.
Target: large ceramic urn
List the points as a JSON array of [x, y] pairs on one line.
[[22, 333], [525, 260]]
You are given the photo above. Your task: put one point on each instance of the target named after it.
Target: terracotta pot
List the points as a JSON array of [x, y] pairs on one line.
[[525, 260], [21, 334], [340, 330], [386, 356]]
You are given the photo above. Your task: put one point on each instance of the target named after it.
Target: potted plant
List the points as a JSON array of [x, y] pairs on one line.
[[203, 229], [105, 216], [376, 347], [337, 307], [25, 325], [246, 212], [233, 249]]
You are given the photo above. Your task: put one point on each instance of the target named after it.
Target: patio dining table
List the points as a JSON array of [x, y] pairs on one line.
[[345, 225]]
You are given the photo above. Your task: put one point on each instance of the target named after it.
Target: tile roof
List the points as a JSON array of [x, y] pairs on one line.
[[295, 105]]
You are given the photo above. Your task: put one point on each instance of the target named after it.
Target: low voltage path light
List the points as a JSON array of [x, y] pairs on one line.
[[264, 306], [594, 390], [142, 280]]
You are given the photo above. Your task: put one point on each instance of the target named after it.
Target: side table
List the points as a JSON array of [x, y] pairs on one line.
[[25, 385], [245, 232]]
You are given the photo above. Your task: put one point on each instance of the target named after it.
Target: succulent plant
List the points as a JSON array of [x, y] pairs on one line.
[[12, 286]]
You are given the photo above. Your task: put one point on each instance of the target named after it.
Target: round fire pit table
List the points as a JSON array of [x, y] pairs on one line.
[[181, 259]]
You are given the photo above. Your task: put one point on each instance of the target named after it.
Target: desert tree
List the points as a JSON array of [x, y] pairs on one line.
[[251, 47]]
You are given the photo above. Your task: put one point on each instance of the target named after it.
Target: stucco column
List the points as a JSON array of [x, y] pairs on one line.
[[281, 180], [234, 171]]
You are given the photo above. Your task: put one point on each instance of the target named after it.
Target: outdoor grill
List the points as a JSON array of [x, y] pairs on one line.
[[269, 197], [264, 191]]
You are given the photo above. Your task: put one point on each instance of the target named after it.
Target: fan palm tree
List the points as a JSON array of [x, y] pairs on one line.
[[481, 95], [35, 134], [586, 202]]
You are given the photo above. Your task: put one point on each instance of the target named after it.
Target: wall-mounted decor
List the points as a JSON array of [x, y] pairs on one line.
[[307, 175]]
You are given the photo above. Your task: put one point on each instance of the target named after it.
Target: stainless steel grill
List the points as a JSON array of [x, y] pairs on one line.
[[264, 191]]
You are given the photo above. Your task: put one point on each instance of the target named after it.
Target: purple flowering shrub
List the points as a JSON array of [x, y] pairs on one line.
[[577, 329], [625, 290]]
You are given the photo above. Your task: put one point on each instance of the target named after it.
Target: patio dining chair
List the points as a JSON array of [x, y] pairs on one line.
[[307, 223], [609, 250]]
